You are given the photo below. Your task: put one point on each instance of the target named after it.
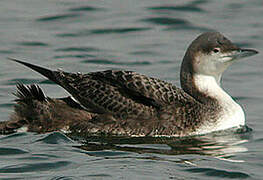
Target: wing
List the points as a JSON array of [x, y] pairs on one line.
[[99, 95], [122, 93], [144, 89]]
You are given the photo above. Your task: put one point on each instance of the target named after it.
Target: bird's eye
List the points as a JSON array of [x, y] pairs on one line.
[[216, 50]]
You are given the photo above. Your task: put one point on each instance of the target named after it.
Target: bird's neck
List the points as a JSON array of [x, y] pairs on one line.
[[203, 88], [207, 88], [220, 106]]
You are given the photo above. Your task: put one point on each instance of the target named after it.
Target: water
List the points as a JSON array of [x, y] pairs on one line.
[[149, 37]]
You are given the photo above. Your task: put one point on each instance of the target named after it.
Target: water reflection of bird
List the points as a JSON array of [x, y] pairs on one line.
[[221, 145]]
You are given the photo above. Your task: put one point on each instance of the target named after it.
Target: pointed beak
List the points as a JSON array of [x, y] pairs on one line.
[[242, 53]]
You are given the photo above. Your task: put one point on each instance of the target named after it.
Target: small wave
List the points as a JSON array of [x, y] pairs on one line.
[[55, 138], [80, 56], [85, 8], [212, 172], [11, 151], [58, 17], [117, 30], [107, 153], [166, 21], [77, 49], [65, 178], [177, 8], [174, 23], [99, 175], [145, 53], [102, 31], [33, 43], [33, 167], [67, 35], [191, 6]]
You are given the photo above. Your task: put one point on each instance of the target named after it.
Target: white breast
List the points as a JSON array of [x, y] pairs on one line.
[[232, 115]]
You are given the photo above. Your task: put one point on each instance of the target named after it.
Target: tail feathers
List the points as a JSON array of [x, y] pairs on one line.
[[29, 92], [35, 112], [24, 111]]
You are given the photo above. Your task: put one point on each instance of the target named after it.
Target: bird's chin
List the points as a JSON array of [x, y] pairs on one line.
[[226, 59]]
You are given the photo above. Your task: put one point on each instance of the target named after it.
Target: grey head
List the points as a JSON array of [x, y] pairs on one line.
[[209, 54]]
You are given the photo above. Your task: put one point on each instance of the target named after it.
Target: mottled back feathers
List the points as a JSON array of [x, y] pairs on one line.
[[122, 93]]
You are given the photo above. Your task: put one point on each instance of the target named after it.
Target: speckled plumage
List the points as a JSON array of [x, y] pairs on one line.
[[137, 104], [43, 114], [133, 111], [128, 103], [122, 93]]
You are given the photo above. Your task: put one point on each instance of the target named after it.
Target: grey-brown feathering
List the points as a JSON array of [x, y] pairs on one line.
[[125, 102]]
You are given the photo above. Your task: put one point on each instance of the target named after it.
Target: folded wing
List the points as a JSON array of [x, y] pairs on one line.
[[123, 93]]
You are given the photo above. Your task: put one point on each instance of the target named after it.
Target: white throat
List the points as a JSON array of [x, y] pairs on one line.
[[232, 115]]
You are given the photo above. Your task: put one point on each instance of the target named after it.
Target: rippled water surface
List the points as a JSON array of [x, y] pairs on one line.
[[149, 37]]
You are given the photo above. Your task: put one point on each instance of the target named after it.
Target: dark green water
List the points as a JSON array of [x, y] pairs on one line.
[[149, 37]]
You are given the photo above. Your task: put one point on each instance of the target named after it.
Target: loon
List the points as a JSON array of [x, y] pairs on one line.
[[127, 103]]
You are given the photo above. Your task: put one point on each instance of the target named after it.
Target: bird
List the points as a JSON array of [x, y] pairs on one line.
[[127, 103]]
